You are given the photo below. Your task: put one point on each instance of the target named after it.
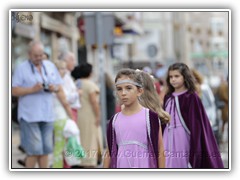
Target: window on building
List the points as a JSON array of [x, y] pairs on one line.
[[217, 24]]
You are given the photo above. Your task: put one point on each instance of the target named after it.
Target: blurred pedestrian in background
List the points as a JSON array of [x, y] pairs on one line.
[[222, 94], [156, 82], [110, 98], [71, 90], [188, 138], [160, 74], [199, 81], [45, 56], [89, 116], [34, 82], [208, 100], [62, 111]]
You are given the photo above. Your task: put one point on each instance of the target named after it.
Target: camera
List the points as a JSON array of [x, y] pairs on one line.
[[45, 87]]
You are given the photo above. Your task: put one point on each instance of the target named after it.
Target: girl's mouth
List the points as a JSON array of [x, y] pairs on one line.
[[124, 99]]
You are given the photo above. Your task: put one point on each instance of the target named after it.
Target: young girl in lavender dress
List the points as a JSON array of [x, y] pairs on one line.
[[188, 138], [134, 135]]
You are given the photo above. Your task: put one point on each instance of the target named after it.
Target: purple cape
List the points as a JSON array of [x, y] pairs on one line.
[[204, 152], [154, 130]]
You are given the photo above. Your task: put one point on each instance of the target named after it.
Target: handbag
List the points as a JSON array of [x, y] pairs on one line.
[[73, 151], [70, 129]]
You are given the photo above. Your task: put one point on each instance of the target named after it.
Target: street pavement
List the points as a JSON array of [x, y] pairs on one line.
[[17, 154]]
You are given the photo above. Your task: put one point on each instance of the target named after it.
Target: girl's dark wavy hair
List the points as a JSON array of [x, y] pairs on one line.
[[189, 80]]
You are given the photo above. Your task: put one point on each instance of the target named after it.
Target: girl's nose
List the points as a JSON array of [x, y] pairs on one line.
[[124, 91]]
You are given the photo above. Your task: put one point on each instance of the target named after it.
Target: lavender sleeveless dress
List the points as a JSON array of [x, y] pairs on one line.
[[175, 137], [132, 141]]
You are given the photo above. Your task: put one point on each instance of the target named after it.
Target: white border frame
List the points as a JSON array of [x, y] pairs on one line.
[[123, 10]]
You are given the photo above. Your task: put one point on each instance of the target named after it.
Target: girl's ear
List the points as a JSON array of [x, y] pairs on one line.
[[140, 91]]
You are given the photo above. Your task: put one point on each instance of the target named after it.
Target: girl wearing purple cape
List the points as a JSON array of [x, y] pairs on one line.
[[188, 139], [134, 135]]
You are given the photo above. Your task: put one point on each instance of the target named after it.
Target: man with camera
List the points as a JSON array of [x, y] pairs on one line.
[[34, 82]]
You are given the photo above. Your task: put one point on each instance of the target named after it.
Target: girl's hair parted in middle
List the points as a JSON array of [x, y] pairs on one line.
[[149, 98], [189, 80], [130, 73]]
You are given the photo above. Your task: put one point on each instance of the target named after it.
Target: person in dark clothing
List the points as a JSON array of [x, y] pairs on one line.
[[110, 98]]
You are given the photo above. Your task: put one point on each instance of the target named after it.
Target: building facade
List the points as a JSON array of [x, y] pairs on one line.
[[57, 30]]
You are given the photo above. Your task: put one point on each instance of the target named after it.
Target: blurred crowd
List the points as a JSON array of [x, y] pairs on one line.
[[47, 93]]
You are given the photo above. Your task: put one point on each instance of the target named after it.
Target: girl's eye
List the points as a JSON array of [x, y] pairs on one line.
[[129, 88]]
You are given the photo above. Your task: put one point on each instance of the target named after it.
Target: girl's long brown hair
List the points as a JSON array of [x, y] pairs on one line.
[[150, 98], [189, 80]]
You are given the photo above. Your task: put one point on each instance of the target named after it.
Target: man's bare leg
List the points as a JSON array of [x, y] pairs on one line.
[[43, 161], [31, 161]]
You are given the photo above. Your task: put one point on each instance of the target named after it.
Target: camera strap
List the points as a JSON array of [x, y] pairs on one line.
[[44, 69], [33, 71]]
